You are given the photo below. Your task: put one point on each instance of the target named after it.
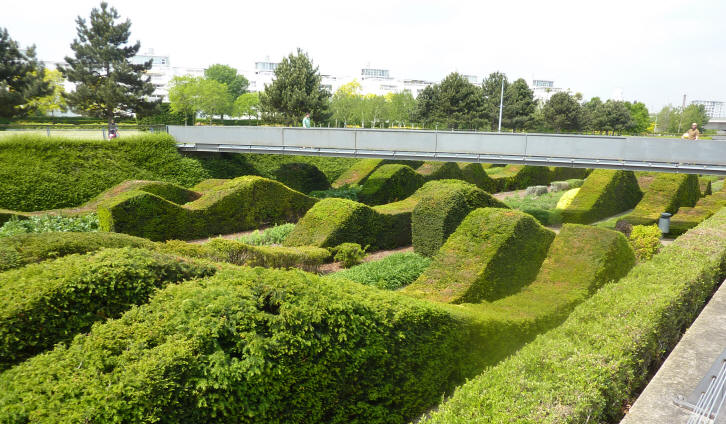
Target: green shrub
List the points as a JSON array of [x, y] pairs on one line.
[[474, 173], [41, 173], [687, 217], [9, 258], [268, 236], [43, 304], [666, 193], [705, 186], [434, 170], [250, 346], [440, 211], [302, 177], [344, 192], [209, 184], [357, 173], [237, 205], [390, 183], [493, 253], [334, 221], [600, 358], [349, 254], [516, 177], [645, 240], [560, 173], [604, 193], [390, 273], [575, 182], [7, 215], [50, 223], [543, 207]]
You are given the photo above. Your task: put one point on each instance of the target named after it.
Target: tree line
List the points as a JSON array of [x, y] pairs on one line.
[[108, 85]]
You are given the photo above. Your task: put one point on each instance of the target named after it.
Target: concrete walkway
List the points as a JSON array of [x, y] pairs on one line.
[[684, 368]]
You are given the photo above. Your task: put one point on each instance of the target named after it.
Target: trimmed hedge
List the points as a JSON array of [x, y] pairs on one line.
[[596, 362], [302, 177], [390, 273], [358, 173], [560, 173], [390, 183], [516, 177], [439, 212], [41, 173], [666, 193], [37, 247], [44, 304], [474, 173], [240, 204], [492, 254], [209, 184], [604, 193], [435, 170], [687, 217], [251, 346], [705, 186], [333, 221]]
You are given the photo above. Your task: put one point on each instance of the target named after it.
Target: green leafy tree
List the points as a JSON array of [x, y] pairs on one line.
[[492, 92], [54, 101], [376, 108], [562, 112], [694, 113], [667, 120], [181, 96], [21, 78], [107, 83], [455, 103], [210, 98], [616, 117], [519, 106], [295, 91], [236, 84], [248, 104], [640, 117], [592, 117], [345, 104], [402, 107], [425, 103]]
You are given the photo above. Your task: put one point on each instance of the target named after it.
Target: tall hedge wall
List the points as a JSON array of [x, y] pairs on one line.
[[666, 193], [250, 346], [603, 194], [493, 253], [439, 212], [390, 183], [594, 364], [474, 173], [240, 204], [44, 304]]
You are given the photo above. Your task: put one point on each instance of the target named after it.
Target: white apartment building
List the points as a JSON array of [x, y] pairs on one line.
[[544, 89], [162, 72], [714, 109]]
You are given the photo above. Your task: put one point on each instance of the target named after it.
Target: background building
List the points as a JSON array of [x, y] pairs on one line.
[[543, 89], [714, 109]]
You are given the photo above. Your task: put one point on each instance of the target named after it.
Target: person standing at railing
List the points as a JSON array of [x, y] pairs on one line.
[[692, 133], [306, 121]]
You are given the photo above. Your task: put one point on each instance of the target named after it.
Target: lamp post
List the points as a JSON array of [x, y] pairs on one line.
[[501, 103]]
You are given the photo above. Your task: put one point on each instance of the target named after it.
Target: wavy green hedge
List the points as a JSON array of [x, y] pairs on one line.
[[358, 173], [440, 211], [666, 193], [302, 177], [493, 253], [435, 170], [594, 364], [390, 183], [44, 304], [237, 205], [603, 194], [516, 177], [688, 217], [474, 173], [250, 346]]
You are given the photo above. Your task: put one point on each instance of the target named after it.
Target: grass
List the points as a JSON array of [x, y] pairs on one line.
[[268, 237], [543, 207], [390, 273]]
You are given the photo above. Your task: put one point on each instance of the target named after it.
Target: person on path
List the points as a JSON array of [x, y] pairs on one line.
[[693, 132], [306, 121]]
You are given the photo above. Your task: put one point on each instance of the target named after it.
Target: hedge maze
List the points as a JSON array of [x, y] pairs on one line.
[[486, 315]]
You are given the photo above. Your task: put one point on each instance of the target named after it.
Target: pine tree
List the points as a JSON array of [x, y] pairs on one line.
[[107, 83], [21, 78]]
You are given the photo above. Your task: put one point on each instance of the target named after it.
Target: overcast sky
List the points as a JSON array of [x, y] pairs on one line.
[[653, 50]]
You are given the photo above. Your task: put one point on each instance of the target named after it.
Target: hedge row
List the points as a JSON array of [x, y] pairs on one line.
[[390, 183], [435, 170], [590, 367], [251, 346], [302, 177], [665, 193], [688, 217], [493, 253], [439, 212], [474, 173], [44, 304], [358, 173], [517, 177], [237, 205], [604, 193]]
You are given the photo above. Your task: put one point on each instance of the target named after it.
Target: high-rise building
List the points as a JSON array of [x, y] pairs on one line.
[[714, 109]]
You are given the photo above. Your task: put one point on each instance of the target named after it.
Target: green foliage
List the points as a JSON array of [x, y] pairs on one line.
[[453, 103], [687, 217], [9, 258], [519, 106], [343, 192], [302, 177], [645, 240], [604, 193], [41, 173], [162, 116], [248, 104], [250, 346], [435, 170], [107, 84], [493, 253], [48, 223], [474, 173], [236, 83], [44, 304], [390, 273], [562, 112], [603, 354], [241, 204], [705, 186], [516, 177], [21, 78], [666, 193], [358, 172], [349, 254], [575, 182], [272, 235], [390, 183], [440, 211], [543, 207]]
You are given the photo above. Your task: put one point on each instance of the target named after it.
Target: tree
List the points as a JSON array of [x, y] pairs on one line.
[[454, 103], [667, 120], [492, 91], [402, 107], [640, 117], [107, 83], [236, 84], [519, 106], [248, 104], [376, 108], [54, 101], [563, 113], [592, 118], [21, 78], [616, 117], [295, 91], [694, 113], [210, 98], [181, 96], [425, 103], [345, 104]]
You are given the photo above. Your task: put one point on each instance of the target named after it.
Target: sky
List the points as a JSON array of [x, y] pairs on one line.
[[650, 51]]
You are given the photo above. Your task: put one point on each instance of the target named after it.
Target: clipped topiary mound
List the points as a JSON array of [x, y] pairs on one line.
[[390, 183], [516, 177], [358, 173], [666, 193], [688, 217], [493, 253], [240, 204], [302, 177], [474, 173], [441, 209], [334, 221], [603, 194], [705, 186], [561, 173], [434, 170]]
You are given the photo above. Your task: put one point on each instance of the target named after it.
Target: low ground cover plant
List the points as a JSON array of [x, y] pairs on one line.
[[349, 254], [542, 207], [50, 223], [344, 192], [390, 273], [268, 236]]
